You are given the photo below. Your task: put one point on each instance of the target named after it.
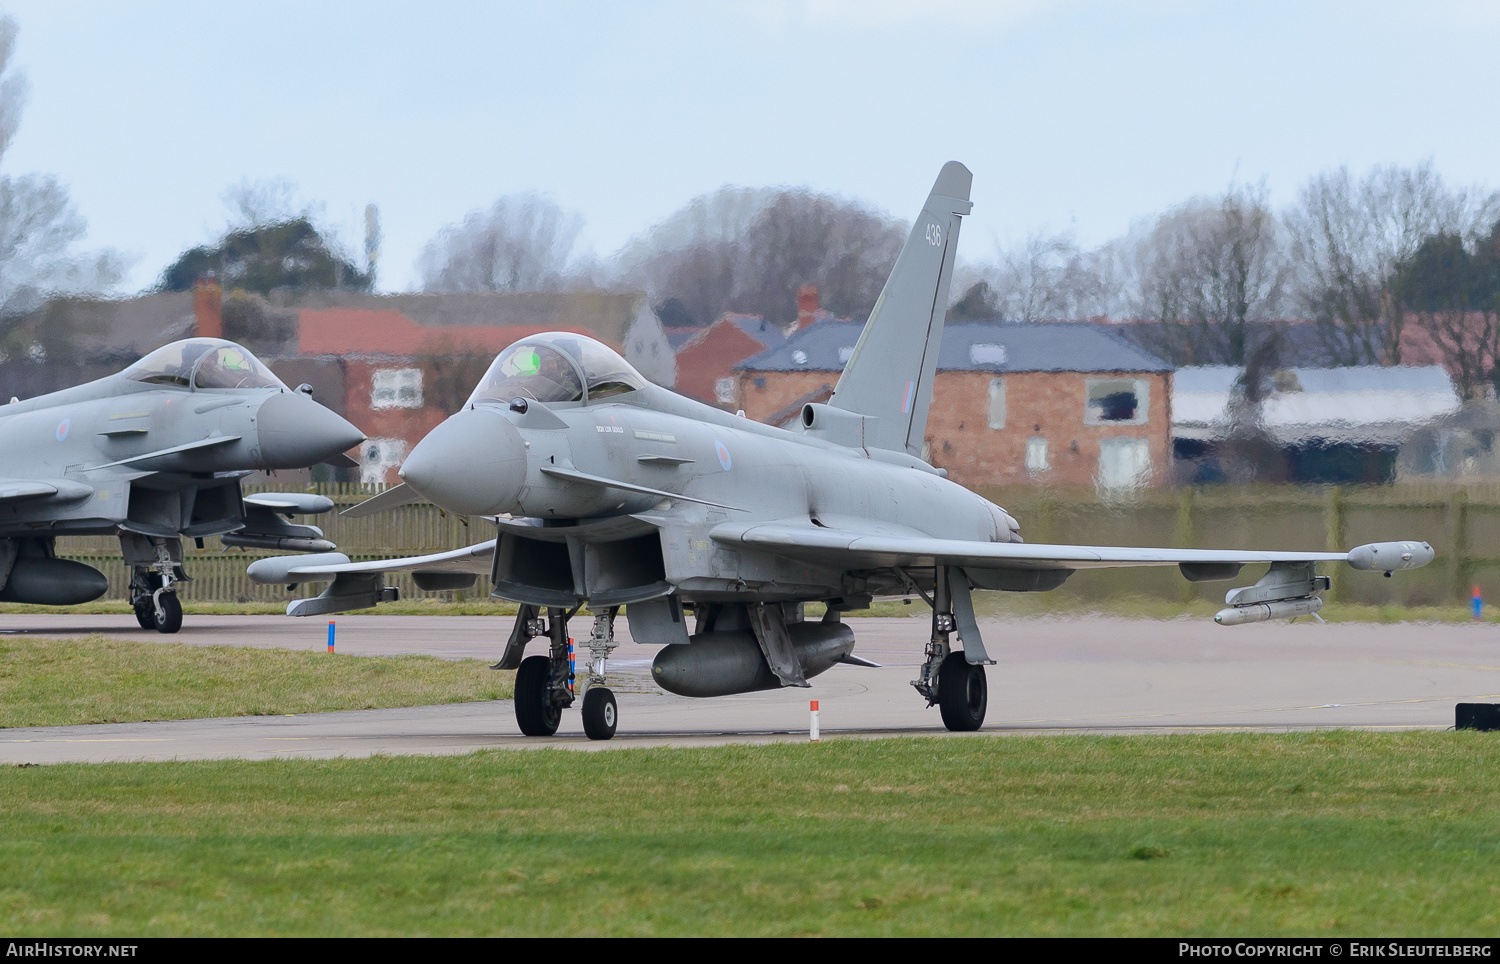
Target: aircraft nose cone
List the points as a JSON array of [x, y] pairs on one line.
[[296, 432], [472, 464]]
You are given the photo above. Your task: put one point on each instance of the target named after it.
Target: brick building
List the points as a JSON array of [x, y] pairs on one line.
[[1055, 403], [706, 361]]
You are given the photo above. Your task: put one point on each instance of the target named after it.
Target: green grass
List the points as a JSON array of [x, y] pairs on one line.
[[96, 680], [1301, 834]]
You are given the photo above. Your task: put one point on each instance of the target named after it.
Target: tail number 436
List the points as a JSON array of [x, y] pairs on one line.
[[934, 234]]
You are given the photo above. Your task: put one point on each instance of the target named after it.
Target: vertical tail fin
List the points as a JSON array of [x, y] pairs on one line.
[[889, 377]]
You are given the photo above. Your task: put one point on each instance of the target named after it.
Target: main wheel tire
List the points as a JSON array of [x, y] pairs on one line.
[[169, 619], [145, 612], [600, 713], [963, 693], [534, 713]]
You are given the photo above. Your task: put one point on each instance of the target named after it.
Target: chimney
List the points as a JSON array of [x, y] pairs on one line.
[[208, 307], [807, 306]]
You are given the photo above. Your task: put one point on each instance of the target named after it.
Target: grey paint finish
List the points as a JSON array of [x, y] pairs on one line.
[[156, 460], [610, 491]]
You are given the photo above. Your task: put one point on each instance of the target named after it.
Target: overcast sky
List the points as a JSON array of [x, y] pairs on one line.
[[1078, 115]]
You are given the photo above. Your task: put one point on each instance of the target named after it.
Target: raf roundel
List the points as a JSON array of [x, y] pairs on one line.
[[62, 428], [724, 459]]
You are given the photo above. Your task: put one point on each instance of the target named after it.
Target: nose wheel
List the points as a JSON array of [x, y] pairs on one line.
[[537, 713], [155, 602], [600, 713], [166, 611]]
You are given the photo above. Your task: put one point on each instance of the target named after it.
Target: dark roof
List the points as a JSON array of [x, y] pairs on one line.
[[677, 337], [1297, 344], [758, 328], [1054, 346]]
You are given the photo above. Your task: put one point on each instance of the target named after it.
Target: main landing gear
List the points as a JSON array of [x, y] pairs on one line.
[[545, 684], [947, 678], [153, 595]]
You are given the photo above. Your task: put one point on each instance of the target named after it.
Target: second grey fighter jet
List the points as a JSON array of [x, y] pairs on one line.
[[154, 454], [611, 492]]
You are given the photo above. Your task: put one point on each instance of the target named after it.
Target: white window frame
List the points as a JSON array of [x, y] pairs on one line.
[[724, 390], [396, 388], [997, 402], [1036, 455], [1105, 386], [1125, 481]]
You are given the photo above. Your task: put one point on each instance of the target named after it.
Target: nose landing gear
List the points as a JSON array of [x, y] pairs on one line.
[[544, 684], [153, 593]]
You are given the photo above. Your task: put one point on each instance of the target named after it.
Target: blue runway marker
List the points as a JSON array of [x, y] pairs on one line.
[[330, 635]]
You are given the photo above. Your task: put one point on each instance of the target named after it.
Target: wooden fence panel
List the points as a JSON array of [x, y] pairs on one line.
[[1461, 522]]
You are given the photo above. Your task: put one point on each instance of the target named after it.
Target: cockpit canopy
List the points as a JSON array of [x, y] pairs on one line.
[[557, 366], [203, 363]]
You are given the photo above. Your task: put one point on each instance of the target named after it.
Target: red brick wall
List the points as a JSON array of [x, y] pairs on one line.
[[711, 357], [778, 390], [411, 424], [1046, 404]]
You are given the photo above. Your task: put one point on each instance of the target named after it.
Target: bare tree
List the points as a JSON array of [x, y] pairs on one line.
[[1348, 237], [1208, 270], [701, 277], [1453, 290], [741, 249], [691, 257], [522, 243], [255, 204], [1048, 276], [39, 227], [804, 238]]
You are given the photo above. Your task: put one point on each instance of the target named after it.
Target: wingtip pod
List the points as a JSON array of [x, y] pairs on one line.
[[1390, 556]]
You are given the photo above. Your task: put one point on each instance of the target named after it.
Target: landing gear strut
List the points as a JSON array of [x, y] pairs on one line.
[[544, 684], [153, 595], [947, 679], [600, 712]]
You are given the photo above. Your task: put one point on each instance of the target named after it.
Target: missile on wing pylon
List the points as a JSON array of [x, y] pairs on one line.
[[1260, 612]]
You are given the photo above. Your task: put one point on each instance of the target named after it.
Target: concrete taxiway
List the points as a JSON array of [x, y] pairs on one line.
[[1095, 675]]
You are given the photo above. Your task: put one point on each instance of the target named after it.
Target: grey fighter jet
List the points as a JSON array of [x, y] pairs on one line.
[[155, 454], [609, 492]]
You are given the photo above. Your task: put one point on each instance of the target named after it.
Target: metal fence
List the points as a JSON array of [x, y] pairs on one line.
[[1461, 522]]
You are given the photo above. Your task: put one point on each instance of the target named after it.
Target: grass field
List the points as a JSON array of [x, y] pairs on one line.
[[1309, 834], [45, 682]]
